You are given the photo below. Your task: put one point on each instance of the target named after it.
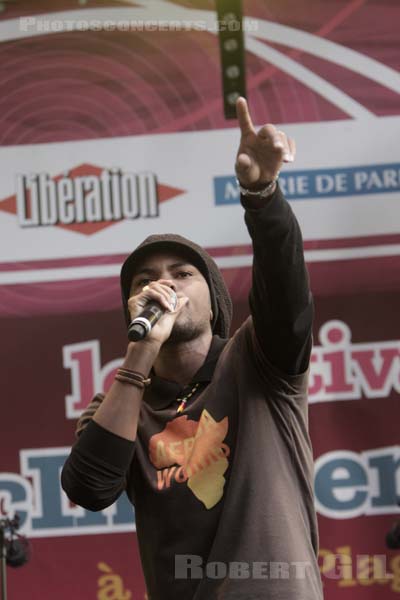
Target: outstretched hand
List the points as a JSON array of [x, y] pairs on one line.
[[260, 155]]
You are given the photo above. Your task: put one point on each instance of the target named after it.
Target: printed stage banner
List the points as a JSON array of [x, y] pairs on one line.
[[111, 129]]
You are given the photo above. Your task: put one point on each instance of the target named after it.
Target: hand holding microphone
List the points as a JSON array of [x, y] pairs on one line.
[[156, 302]]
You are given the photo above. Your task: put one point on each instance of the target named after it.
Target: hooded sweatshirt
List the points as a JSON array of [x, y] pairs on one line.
[[223, 492]]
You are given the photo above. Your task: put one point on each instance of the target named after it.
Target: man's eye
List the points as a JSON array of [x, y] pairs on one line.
[[143, 282]]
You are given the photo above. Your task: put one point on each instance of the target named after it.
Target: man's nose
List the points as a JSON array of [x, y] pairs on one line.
[[169, 283]]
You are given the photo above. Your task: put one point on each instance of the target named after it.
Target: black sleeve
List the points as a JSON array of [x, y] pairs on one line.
[[94, 474], [280, 298]]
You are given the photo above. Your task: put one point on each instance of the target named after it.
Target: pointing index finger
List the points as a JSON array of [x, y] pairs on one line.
[[243, 115]]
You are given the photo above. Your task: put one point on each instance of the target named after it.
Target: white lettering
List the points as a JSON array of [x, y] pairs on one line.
[[43, 201]]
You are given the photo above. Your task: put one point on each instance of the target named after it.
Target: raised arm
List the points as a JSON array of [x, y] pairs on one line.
[[280, 298]]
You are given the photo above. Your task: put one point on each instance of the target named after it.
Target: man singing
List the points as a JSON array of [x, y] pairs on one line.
[[208, 435]]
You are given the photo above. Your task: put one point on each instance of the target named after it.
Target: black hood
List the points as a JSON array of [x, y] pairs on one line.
[[221, 302]]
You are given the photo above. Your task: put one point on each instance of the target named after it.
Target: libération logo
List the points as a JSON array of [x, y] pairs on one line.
[[86, 199]]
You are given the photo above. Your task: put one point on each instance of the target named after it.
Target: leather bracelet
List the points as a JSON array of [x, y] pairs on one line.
[[134, 382], [134, 376], [263, 193]]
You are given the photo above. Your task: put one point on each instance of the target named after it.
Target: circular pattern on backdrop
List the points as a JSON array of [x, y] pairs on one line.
[[86, 85]]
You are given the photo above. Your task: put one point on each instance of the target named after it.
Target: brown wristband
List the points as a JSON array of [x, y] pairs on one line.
[[134, 382], [133, 376]]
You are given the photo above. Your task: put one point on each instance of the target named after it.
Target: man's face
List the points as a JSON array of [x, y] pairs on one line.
[[174, 270]]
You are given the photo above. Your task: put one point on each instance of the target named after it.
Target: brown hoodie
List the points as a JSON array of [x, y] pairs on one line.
[[223, 493]]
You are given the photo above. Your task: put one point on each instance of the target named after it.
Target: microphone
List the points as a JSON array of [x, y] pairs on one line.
[[15, 549], [393, 537], [144, 323], [18, 551]]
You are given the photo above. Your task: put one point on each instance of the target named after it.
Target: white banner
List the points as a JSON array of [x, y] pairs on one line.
[[103, 197]]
